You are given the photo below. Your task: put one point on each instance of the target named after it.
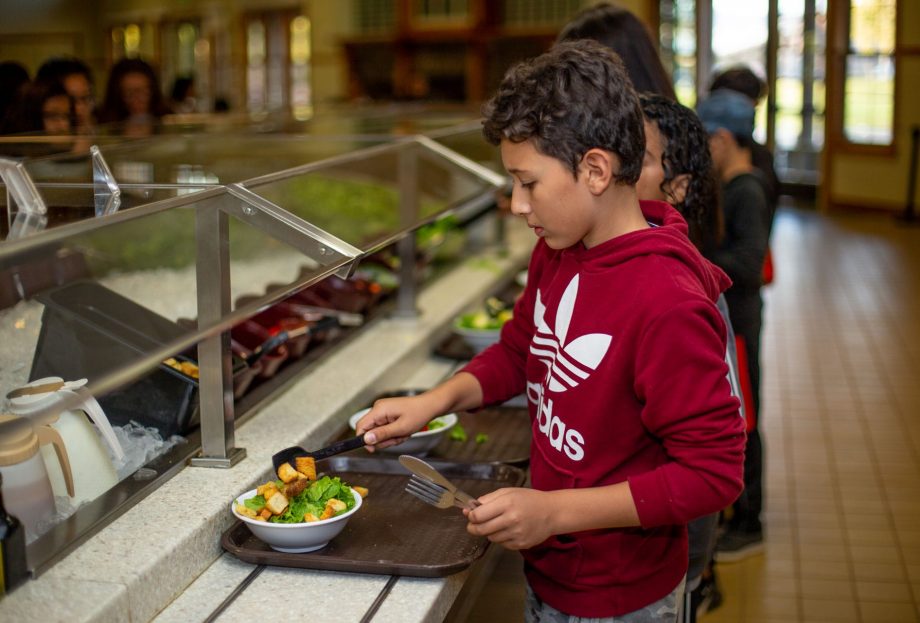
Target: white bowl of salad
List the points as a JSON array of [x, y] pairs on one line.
[[299, 528], [480, 329], [420, 443]]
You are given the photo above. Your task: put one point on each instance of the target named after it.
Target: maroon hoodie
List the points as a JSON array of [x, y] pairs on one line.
[[621, 351]]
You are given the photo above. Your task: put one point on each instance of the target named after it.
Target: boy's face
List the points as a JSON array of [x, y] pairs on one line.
[[556, 205]]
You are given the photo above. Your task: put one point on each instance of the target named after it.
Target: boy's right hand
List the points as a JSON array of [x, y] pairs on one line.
[[391, 420]]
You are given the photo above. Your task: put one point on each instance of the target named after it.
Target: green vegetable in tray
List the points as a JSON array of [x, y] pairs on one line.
[[458, 433], [482, 438], [313, 500]]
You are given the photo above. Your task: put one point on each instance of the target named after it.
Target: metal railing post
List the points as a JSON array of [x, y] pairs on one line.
[[407, 177], [215, 382]]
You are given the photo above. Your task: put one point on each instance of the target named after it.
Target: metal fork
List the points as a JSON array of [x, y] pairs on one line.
[[436, 495]]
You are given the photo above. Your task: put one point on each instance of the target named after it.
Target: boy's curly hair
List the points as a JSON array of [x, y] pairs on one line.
[[573, 98], [686, 151]]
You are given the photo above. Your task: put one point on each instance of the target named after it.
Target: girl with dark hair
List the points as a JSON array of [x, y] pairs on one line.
[[132, 95], [624, 33], [13, 78], [43, 106], [678, 168]]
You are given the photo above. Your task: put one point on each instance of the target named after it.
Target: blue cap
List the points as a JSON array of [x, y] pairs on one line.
[[729, 110]]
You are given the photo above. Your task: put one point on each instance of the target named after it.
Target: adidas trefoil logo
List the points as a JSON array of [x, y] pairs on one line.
[[568, 363]]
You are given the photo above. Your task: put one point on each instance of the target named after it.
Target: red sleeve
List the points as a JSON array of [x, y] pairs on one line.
[[501, 368], [681, 378]]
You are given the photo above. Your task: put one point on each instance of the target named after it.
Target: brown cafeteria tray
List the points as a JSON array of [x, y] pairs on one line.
[[508, 432], [393, 533], [507, 429]]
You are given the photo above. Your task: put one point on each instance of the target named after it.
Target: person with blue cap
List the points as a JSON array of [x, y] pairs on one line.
[[728, 117]]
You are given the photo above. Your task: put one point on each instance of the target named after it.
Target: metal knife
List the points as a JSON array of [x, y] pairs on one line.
[[423, 470]]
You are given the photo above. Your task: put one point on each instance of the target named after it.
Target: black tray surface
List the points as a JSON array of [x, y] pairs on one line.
[[393, 533]]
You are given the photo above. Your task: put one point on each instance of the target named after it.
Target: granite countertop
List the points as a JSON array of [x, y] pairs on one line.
[[162, 559]]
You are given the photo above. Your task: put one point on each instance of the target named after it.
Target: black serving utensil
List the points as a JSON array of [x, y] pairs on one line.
[[327, 322], [288, 455]]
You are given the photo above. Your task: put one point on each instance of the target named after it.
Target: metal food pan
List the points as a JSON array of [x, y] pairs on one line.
[[393, 533]]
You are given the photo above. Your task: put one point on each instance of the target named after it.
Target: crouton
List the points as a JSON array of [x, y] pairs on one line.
[[296, 487], [362, 491], [265, 514], [306, 466], [287, 473], [260, 518], [337, 505], [277, 503], [267, 490], [310, 517], [245, 511], [327, 512]]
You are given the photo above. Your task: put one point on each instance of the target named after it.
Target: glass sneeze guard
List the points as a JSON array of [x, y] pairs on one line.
[[139, 286]]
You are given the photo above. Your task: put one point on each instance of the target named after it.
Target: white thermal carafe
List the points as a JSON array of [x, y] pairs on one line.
[[26, 488], [93, 471]]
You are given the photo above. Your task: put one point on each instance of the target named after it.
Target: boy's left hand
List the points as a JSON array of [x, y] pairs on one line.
[[514, 518]]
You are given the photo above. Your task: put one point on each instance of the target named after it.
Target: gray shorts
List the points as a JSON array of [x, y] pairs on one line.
[[664, 610]]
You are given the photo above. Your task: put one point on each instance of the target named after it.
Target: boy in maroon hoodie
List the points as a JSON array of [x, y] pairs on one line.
[[618, 345]]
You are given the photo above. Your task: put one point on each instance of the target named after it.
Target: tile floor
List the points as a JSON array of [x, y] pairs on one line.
[[841, 423]]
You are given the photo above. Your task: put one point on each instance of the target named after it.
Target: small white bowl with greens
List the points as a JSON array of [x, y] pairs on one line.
[[481, 329], [420, 443], [287, 531]]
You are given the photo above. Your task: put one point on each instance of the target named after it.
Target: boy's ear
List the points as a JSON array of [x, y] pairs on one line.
[[599, 167], [677, 189]]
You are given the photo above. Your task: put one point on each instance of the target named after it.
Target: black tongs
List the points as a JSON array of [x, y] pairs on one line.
[[289, 455]]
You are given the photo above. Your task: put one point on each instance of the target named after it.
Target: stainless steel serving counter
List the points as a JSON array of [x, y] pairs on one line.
[[162, 560]]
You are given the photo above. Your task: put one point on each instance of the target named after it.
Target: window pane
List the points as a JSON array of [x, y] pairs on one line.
[[869, 75], [374, 15], [678, 46], [869, 99], [255, 66], [872, 24], [529, 13], [739, 37], [300, 96]]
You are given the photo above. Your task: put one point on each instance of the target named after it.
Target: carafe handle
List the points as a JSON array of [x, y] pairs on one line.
[[98, 417], [46, 435]]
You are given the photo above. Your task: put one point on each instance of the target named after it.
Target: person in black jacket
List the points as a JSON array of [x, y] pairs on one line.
[[728, 117], [741, 79]]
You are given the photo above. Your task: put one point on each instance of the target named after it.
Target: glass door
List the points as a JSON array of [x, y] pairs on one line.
[[781, 41]]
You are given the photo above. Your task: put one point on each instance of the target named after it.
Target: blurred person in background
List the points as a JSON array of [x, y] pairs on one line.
[[182, 98], [728, 117], [76, 78], [624, 33], [742, 80], [43, 106], [13, 78], [133, 98]]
